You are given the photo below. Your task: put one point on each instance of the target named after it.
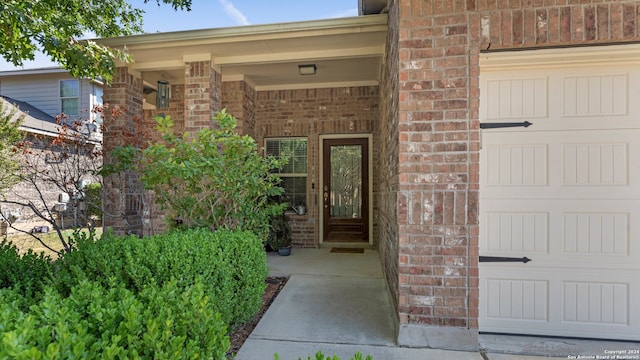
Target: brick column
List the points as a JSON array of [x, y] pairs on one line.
[[202, 99], [437, 208], [386, 143], [123, 197], [239, 98]]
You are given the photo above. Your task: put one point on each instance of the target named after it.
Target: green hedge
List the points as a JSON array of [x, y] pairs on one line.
[[231, 264], [94, 322], [28, 273], [172, 296]]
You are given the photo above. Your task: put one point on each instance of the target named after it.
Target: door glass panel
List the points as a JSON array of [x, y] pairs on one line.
[[346, 182]]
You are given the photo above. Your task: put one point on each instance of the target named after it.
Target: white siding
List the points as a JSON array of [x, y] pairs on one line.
[[43, 91]]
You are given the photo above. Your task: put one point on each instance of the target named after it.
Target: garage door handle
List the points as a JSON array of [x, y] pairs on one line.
[[503, 259], [504, 125]]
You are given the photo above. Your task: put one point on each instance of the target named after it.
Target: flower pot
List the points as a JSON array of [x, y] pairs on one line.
[[284, 251]]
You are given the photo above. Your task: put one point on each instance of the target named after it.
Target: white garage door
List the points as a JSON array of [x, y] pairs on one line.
[[564, 192]]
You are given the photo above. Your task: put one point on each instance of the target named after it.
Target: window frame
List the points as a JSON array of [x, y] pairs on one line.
[[97, 93], [279, 172], [63, 98]]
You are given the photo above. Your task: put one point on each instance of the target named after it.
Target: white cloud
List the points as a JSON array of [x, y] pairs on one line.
[[234, 13], [346, 13]]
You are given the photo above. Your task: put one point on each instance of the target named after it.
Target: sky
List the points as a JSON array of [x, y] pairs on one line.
[[225, 13]]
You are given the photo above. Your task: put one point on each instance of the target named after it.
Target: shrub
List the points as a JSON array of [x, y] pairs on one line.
[[231, 264], [217, 179], [28, 273], [94, 203], [94, 322]]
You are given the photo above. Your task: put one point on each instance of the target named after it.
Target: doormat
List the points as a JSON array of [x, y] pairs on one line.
[[347, 250]]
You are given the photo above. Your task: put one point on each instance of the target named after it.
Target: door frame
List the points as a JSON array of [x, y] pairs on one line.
[[321, 139]]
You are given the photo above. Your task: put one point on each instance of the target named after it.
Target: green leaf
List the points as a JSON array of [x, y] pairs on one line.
[[54, 27]]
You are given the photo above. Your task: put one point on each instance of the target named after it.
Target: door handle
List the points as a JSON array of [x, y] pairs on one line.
[[326, 198]]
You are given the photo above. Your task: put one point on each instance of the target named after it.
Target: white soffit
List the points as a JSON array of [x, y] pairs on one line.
[[347, 52]]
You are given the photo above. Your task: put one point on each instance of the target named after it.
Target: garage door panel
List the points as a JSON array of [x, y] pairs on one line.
[[598, 303], [558, 231], [594, 95], [601, 164], [594, 164], [560, 99], [521, 298], [517, 298], [516, 232], [598, 233], [517, 165], [517, 98], [595, 302]]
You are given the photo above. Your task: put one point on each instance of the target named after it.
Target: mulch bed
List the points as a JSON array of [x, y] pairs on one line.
[[240, 334]]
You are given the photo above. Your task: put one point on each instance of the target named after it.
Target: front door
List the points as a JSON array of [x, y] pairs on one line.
[[345, 190]]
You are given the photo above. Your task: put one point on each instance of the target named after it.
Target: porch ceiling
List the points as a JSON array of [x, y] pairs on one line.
[[366, 7], [346, 51]]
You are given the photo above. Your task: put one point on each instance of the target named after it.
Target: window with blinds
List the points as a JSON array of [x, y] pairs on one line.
[[294, 172]]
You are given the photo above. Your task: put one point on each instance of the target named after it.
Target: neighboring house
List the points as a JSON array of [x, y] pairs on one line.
[[384, 114], [41, 96], [53, 91]]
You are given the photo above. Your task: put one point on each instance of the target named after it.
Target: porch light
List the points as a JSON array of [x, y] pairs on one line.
[[163, 94], [307, 69]]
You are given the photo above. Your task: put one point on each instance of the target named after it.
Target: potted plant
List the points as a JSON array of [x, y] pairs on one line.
[[280, 235]]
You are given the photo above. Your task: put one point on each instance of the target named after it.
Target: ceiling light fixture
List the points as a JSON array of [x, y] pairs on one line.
[[307, 69]]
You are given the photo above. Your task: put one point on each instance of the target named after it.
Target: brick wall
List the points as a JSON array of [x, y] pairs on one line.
[[516, 24], [437, 195], [439, 46], [313, 112], [203, 95], [42, 194], [191, 108], [386, 160], [124, 196], [175, 109], [249, 110], [47, 171], [153, 217], [239, 98]]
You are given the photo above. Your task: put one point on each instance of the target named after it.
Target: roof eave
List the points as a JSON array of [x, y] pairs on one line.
[[235, 33], [37, 71]]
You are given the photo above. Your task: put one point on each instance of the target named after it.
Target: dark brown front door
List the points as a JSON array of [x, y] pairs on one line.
[[345, 190]]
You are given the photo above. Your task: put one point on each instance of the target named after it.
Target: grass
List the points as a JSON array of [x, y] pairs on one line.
[[25, 242]]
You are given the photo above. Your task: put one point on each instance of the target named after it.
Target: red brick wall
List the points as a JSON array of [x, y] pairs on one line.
[[437, 195], [310, 113], [386, 159], [249, 110], [515, 24], [203, 95], [123, 194], [196, 100], [240, 101], [44, 168], [175, 109], [154, 217], [439, 45]]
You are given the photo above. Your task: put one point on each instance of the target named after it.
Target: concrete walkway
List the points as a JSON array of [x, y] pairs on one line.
[[339, 304]]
